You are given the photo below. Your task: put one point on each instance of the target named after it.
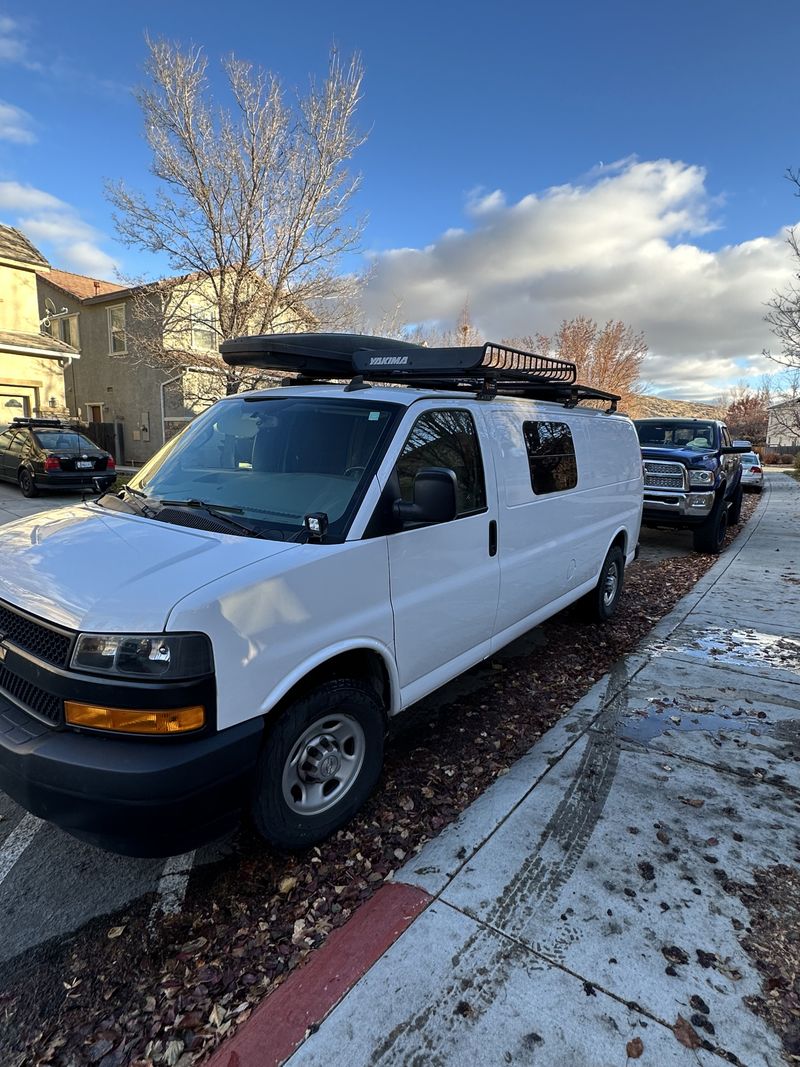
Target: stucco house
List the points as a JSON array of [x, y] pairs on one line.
[[149, 356], [32, 363], [783, 429]]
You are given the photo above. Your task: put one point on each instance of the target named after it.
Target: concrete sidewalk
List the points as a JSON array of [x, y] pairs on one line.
[[584, 904]]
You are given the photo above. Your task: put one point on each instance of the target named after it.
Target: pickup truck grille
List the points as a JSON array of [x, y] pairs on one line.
[[659, 475]]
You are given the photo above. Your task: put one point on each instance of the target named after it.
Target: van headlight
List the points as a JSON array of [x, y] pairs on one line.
[[701, 477], [158, 656]]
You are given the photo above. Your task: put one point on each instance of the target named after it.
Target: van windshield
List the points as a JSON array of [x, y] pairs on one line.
[[672, 434], [274, 460]]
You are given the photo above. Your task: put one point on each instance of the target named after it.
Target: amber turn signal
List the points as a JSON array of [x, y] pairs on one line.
[[131, 721]]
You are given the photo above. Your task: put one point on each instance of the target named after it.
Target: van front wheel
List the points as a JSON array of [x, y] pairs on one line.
[[601, 603], [320, 762]]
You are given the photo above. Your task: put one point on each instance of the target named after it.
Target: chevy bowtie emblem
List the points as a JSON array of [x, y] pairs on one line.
[[3, 651]]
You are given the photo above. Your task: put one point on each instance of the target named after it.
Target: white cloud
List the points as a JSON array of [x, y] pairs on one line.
[[617, 246], [57, 228], [14, 44], [15, 124]]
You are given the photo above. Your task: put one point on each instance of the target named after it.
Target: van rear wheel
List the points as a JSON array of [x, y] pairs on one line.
[[601, 603], [320, 762]]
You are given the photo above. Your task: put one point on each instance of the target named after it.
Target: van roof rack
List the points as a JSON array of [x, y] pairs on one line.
[[488, 370]]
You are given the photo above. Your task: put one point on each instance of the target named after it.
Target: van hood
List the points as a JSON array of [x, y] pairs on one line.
[[90, 569]]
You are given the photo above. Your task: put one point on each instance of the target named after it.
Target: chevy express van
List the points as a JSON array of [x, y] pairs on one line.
[[232, 630]]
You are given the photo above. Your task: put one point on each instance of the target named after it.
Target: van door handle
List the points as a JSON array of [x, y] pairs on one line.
[[492, 538]]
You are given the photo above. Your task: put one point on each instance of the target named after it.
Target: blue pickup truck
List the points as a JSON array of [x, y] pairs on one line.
[[692, 477]]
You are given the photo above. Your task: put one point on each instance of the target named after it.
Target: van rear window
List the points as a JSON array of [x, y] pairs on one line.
[[551, 456]]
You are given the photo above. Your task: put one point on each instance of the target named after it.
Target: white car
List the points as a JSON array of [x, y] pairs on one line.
[[752, 471], [234, 628]]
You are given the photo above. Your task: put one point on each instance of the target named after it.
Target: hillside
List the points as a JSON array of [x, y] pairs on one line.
[[653, 407]]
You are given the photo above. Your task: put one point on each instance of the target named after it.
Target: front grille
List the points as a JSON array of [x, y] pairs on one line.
[[43, 704], [35, 637], [659, 475]]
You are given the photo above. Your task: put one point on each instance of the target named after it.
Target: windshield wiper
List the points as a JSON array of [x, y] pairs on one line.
[[218, 512]]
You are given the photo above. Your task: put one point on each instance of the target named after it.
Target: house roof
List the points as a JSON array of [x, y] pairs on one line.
[[15, 245], [80, 285], [34, 344]]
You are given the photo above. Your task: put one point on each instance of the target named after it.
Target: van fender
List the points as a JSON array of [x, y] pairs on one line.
[[628, 550], [326, 655]]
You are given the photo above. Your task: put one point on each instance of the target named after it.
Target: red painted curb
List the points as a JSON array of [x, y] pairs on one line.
[[279, 1024]]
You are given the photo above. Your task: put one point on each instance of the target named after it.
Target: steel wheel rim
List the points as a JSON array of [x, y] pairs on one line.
[[611, 584], [323, 764]]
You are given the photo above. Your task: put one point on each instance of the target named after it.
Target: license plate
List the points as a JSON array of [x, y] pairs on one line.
[[84, 464]]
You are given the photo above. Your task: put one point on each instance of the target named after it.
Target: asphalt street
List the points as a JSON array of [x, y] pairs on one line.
[[51, 884]]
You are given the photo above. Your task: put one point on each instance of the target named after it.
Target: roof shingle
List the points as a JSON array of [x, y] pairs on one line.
[[80, 285], [41, 342], [15, 245]]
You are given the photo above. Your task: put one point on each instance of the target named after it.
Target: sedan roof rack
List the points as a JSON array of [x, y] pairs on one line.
[[20, 420], [488, 370]]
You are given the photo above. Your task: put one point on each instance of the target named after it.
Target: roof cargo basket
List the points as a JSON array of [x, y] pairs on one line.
[[488, 370]]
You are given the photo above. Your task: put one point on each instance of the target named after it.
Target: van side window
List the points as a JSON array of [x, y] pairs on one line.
[[551, 456], [445, 438]]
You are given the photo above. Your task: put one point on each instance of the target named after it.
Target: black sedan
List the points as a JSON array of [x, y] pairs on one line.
[[46, 454]]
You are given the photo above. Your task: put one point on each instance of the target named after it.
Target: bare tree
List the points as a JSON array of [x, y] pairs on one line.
[[607, 357], [783, 316], [251, 210]]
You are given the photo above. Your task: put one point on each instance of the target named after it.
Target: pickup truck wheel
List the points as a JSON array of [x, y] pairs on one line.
[[320, 762], [735, 510], [710, 537], [601, 603], [26, 483]]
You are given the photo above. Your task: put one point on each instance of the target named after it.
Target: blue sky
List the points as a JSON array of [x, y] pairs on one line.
[[653, 137]]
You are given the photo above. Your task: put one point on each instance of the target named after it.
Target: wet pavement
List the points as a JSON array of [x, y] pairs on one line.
[[586, 908]]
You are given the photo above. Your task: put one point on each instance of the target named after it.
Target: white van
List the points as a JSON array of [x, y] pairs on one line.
[[232, 630]]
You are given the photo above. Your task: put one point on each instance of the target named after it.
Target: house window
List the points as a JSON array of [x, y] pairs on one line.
[[551, 456], [117, 339], [68, 330], [205, 329]]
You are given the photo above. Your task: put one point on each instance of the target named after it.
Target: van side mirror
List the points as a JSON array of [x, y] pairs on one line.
[[434, 498]]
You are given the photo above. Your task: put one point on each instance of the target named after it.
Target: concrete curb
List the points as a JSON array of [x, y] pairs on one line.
[[281, 1022]]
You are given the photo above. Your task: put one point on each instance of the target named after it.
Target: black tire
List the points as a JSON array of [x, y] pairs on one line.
[[289, 761], [26, 483], [735, 509], [710, 537], [601, 603]]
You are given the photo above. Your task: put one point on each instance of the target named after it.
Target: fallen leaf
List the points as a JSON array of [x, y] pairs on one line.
[[686, 1033], [693, 802], [115, 931], [634, 1048], [287, 884]]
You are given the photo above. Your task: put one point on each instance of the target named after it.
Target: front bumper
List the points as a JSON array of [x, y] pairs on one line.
[[132, 796], [661, 505], [140, 796]]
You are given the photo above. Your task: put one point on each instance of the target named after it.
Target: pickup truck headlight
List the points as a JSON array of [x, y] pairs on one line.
[[701, 477], [146, 656]]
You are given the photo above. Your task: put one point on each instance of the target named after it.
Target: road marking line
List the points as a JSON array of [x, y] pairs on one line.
[[16, 843], [172, 885]]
